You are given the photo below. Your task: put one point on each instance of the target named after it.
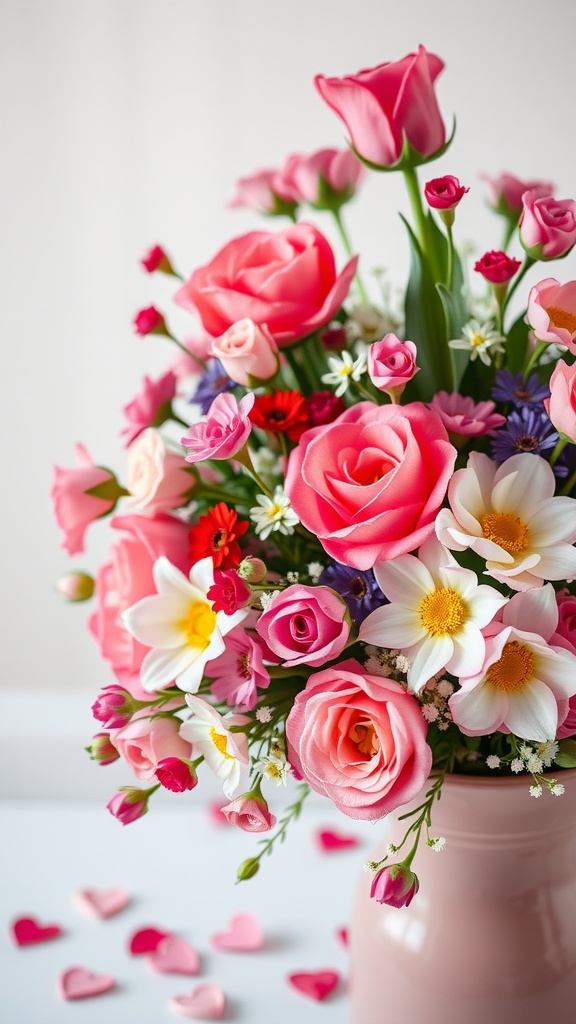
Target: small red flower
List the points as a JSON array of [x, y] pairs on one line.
[[149, 321], [444, 193], [215, 535], [229, 592], [284, 412], [496, 267]]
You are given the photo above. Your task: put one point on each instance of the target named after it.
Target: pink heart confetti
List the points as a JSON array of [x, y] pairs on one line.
[[80, 983], [26, 931], [331, 841], [244, 935], [174, 955], [145, 940], [102, 902], [342, 935], [215, 812], [205, 1002], [315, 984]]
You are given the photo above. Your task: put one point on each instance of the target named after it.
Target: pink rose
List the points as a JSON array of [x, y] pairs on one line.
[[325, 179], [246, 349], [305, 625], [358, 739], [74, 506], [566, 632], [552, 312], [396, 885], [505, 192], [464, 418], [249, 812], [147, 741], [369, 484], [384, 106], [391, 364], [265, 191], [224, 431], [125, 578], [176, 774], [129, 804], [496, 267], [286, 280], [444, 193], [149, 321], [547, 226], [151, 407], [561, 406], [157, 477]]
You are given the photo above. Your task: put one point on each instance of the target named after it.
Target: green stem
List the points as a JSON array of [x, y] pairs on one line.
[[348, 248], [569, 485], [291, 814], [450, 261], [562, 442], [508, 232], [528, 262], [245, 460], [421, 220], [300, 374], [534, 358]]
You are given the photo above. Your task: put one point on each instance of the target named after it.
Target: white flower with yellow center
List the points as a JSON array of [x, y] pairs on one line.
[[180, 625], [435, 616], [273, 514], [509, 515], [479, 340], [524, 676], [209, 733], [343, 369]]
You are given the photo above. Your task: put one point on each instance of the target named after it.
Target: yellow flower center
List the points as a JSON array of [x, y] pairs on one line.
[[442, 611], [506, 530], [219, 741], [476, 340], [363, 735], [199, 625], [514, 668], [562, 318]]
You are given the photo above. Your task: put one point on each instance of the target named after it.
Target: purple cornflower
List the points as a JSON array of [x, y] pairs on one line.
[[214, 381], [511, 387], [527, 430], [358, 588]]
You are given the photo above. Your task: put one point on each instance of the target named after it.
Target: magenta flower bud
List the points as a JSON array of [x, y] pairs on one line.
[[149, 321], [102, 749], [249, 812], [497, 267], [156, 259], [444, 193], [176, 774], [129, 804], [229, 592], [395, 885], [114, 707], [76, 586]]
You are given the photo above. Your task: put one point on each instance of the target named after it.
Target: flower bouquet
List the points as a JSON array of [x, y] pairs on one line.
[[344, 552]]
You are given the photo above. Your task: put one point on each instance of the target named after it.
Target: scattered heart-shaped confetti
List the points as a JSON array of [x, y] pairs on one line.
[[174, 955], [26, 931], [80, 983], [205, 1002], [215, 812], [315, 984], [101, 902], [244, 935], [331, 841], [145, 940], [342, 935]]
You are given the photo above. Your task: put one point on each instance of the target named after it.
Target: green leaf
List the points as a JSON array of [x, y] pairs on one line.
[[566, 756], [517, 345]]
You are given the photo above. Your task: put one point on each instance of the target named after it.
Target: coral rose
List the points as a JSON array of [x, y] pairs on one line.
[[358, 739], [370, 483]]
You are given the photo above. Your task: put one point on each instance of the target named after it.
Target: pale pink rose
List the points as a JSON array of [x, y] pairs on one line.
[[126, 577], [392, 363], [384, 105], [464, 418], [305, 625], [552, 312], [74, 508], [146, 741], [224, 431], [158, 480], [561, 406], [239, 672], [547, 226], [246, 349], [358, 739], [286, 280], [249, 812], [370, 483], [505, 192], [151, 407], [265, 191], [325, 179]]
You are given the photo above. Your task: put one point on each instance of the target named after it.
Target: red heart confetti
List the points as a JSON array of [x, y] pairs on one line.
[[244, 935], [314, 984], [102, 902], [205, 1002], [146, 940], [26, 931], [80, 983], [342, 935], [331, 841], [174, 955]]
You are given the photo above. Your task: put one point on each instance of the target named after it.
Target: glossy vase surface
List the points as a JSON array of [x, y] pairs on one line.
[[491, 934]]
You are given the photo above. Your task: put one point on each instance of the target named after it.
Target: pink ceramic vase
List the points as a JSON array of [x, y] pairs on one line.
[[491, 935]]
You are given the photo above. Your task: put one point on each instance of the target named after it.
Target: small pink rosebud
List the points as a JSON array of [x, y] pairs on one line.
[[497, 267], [156, 259], [444, 193], [176, 774], [391, 364], [76, 586], [229, 592], [102, 749], [114, 706], [129, 804], [395, 885], [250, 812], [149, 321]]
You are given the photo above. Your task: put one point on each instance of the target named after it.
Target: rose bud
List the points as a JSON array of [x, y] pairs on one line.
[[176, 774], [76, 586], [395, 885], [102, 749], [129, 803]]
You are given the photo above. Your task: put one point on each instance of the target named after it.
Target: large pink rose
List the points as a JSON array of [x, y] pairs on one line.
[[286, 280], [369, 484], [383, 106], [305, 625], [146, 741], [547, 226], [125, 578], [358, 739]]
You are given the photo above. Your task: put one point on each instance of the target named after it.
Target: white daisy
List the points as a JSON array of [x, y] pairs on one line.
[[224, 752], [273, 514], [343, 369], [179, 624], [479, 339]]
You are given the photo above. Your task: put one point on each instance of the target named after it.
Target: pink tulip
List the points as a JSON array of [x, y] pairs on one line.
[[80, 496], [395, 885], [325, 179], [505, 192], [265, 191]]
